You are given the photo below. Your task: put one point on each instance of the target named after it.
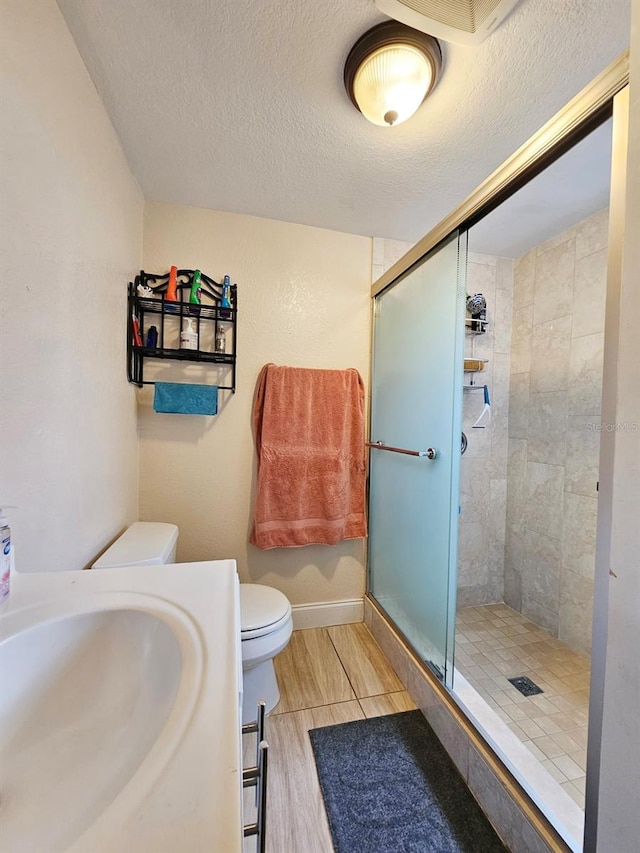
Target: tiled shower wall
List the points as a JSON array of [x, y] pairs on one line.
[[483, 469], [554, 430], [385, 254], [483, 472], [528, 482]]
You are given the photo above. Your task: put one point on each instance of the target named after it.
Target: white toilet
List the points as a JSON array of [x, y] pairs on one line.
[[265, 613]]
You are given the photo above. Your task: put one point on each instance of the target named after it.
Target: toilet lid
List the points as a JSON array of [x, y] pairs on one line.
[[261, 607]]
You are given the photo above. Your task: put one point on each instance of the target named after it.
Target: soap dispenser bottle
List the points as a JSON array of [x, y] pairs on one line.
[[189, 334], [5, 557]]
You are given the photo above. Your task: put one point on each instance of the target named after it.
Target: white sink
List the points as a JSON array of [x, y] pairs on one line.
[[99, 696], [80, 719]]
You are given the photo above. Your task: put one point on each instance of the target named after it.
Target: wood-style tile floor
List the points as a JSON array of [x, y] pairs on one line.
[[326, 676], [494, 643]]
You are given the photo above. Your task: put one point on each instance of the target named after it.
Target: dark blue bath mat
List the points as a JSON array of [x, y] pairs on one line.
[[390, 787]]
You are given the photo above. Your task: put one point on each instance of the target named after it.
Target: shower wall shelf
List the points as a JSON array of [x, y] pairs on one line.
[[475, 326], [170, 320], [475, 365]]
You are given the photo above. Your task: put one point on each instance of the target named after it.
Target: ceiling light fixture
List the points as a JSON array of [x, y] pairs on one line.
[[390, 71]]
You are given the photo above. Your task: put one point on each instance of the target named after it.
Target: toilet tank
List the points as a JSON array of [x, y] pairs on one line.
[[145, 543]]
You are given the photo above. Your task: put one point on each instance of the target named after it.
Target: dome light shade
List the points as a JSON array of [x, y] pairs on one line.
[[390, 71]]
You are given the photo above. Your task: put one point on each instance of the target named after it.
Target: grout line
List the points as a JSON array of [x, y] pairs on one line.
[[344, 701], [341, 664], [313, 708], [384, 693]]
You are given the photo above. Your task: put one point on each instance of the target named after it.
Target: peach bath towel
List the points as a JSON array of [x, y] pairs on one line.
[[309, 433]]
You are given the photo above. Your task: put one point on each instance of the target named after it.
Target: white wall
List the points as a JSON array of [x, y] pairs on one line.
[[71, 236], [618, 814], [303, 300]]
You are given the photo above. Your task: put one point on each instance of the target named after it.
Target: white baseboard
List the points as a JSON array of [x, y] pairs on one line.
[[325, 613]]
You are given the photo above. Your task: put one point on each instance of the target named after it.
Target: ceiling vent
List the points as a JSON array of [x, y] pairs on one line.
[[461, 21]]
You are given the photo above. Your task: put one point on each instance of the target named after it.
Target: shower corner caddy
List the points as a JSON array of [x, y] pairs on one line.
[[157, 310], [474, 326]]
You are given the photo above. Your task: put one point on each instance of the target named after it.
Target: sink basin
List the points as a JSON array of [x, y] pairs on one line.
[[120, 701], [85, 698]]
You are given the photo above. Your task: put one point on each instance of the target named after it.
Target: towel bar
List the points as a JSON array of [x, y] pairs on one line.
[[429, 453]]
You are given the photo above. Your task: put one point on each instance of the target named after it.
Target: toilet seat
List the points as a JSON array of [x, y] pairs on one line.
[[263, 610]]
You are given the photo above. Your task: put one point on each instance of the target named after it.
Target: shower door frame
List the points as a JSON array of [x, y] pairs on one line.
[[582, 114], [604, 97]]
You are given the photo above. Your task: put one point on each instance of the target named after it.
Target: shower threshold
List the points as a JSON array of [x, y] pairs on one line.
[[560, 809], [528, 693], [553, 801]]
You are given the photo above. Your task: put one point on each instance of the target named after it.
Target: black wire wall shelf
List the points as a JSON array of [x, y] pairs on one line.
[[152, 308]]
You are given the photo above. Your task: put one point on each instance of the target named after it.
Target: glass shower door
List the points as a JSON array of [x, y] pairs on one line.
[[416, 407]]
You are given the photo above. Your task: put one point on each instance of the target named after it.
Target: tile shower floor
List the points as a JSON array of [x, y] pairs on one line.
[[494, 643]]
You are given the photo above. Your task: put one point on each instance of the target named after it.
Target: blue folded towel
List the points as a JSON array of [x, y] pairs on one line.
[[185, 399]]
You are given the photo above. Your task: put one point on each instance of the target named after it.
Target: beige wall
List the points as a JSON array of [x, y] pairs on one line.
[[303, 300], [555, 428], [71, 235]]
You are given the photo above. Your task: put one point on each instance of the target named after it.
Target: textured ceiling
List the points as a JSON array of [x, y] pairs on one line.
[[239, 105]]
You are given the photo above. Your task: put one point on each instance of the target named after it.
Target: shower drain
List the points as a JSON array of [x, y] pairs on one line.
[[525, 685]]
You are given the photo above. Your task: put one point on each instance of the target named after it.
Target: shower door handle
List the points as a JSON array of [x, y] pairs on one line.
[[429, 453]]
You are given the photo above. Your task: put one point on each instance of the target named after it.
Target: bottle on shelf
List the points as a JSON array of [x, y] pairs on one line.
[[172, 287], [225, 301], [152, 337], [221, 339], [135, 329], [196, 290], [189, 335], [5, 557]]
